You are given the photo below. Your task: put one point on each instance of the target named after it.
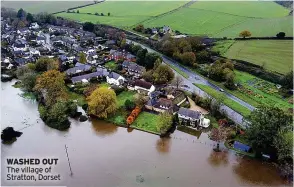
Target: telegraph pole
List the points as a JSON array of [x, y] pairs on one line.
[[68, 160]]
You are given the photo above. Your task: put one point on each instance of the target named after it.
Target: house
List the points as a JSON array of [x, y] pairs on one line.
[[23, 31], [40, 40], [116, 79], [141, 86], [34, 26], [154, 30], [101, 72], [166, 29], [20, 45], [133, 69], [192, 118], [79, 69], [34, 52], [110, 43], [116, 55], [161, 105], [177, 96]]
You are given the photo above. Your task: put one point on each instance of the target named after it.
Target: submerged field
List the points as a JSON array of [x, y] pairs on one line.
[[274, 55], [216, 19]]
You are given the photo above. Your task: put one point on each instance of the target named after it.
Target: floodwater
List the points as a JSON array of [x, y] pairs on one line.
[[104, 155]]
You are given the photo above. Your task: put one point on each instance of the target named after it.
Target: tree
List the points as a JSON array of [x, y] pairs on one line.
[[157, 63], [21, 14], [219, 134], [184, 46], [140, 100], [266, 124], [135, 48], [150, 60], [88, 26], [164, 123], [129, 105], [123, 43], [284, 145], [51, 85], [30, 17], [22, 70], [31, 66], [281, 35], [168, 48], [57, 116], [245, 34], [139, 28], [43, 18], [102, 14], [108, 14], [52, 65], [28, 81], [203, 56], [163, 74], [230, 80], [188, 58], [178, 81], [83, 58], [287, 80], [228, 64], [42, 64], [102, 102], [148, 76], [78, 11], [141, 56]]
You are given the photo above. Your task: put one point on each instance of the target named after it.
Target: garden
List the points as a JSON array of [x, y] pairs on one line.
[[111, 65], [147, 122]]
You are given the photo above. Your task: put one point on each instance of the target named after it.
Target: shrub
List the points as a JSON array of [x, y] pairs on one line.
[[85, 107], [129, 105], [232, 135]]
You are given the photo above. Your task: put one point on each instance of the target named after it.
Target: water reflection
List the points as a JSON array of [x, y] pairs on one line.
[[218, 159], [103, 128], [246, 169], [163, 145]]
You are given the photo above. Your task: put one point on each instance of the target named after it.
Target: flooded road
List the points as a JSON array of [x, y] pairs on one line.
[[105, 155]]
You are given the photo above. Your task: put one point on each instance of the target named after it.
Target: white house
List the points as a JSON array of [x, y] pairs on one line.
[[20, 45], [34, 26], [141, 87], [192, 118], [34, 52], [116, 79]]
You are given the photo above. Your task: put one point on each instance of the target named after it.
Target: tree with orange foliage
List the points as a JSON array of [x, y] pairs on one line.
[[245, 34]]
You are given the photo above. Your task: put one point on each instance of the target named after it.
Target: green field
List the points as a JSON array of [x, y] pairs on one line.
[[274, 55], [258, 9], [217, 19], [43, 6], [228, 102]]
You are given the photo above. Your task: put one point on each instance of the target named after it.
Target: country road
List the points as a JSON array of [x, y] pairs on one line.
[[195, 78]]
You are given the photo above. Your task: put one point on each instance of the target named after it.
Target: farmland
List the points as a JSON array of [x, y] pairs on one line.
[[43, 6], [274, 55], [216, 19]]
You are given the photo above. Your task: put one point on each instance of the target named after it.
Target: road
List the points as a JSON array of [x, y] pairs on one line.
[[196, 78]]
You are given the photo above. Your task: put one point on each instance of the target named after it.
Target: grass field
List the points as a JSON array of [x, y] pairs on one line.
[[43, 6], [223, 46], [147, 122], [274, 55], [256, 9], [230, 103], [217, 19], [123, 96]]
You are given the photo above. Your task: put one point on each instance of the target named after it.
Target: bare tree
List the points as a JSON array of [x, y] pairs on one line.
[[218, 135], [178, 81]]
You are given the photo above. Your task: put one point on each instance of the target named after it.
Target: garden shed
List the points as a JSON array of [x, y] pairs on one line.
[[241, 146]]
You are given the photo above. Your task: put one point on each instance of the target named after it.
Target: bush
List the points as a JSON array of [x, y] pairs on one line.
[[129, 105], [85, 107], [232, 135], [83, 118]]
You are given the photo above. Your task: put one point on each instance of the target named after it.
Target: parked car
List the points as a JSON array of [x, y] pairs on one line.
[[221, 90]]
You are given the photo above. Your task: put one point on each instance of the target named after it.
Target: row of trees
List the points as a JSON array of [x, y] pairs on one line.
[[97, 14], [161, 74]]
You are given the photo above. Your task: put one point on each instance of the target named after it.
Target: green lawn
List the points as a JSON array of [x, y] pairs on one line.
[[123, 96], [146, 122], [274, 55], [79, 97], [230, 103], [111, 65]]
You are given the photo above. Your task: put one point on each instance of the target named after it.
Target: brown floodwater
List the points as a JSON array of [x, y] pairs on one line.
[[104, 155]]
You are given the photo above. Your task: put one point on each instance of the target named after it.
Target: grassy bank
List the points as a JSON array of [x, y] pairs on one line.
[[230, 103], [178, 70]]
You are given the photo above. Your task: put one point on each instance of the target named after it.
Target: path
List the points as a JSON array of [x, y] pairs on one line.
[[195, 107]]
